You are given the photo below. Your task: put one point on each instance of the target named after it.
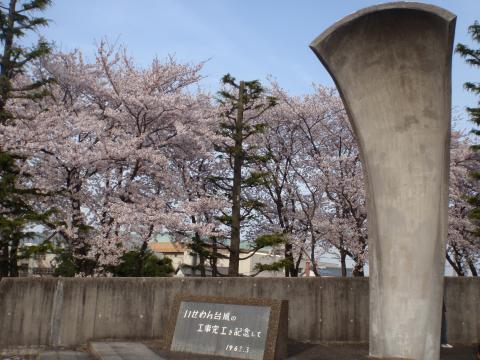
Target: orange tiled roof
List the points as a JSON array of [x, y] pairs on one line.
[[167, 247]]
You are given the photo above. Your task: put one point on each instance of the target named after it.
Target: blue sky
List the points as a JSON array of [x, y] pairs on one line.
[[250, 39]]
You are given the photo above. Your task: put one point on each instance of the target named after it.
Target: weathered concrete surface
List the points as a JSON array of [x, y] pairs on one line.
[[64, 355], [392, 66], [134, 308], [336, 351], [122, 351], [296, 351], [320, 309], [464, 325]]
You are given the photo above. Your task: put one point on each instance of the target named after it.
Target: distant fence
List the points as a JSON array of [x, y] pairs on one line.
[[70, 312]]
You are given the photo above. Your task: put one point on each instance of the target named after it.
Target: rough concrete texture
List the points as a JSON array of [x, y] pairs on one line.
[[360, 352], [296, 351], [320, 309], [304, 351], [330, 309], [122, 351], [392, 66], [64, 355]]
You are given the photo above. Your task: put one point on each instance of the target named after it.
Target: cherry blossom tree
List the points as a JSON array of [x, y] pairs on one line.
[[205, 206], [463, 246], [327, 182], [282, 146], [126, 152], [104, 142]]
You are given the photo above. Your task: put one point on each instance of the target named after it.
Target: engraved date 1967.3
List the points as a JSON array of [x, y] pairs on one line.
[[236, 348]]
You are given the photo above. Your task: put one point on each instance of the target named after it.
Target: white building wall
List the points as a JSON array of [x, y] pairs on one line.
[[247, 266]]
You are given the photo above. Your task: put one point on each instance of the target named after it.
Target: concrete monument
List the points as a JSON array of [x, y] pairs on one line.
[[242, 328], [392, 66]]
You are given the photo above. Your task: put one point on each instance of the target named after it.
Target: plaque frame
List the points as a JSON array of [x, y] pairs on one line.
[[277, 329]]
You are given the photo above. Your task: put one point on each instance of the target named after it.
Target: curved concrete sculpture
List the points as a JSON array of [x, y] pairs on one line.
[[392, 66]]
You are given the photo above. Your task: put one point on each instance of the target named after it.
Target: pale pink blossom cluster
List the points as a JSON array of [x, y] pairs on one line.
[[126, 152], [463, 245], [103, 145], [316, 194]]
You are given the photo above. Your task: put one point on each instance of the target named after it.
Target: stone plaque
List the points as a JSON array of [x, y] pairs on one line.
[[254, 329]]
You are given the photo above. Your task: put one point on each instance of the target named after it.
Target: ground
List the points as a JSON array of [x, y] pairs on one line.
[[303, 351], [296, 351]]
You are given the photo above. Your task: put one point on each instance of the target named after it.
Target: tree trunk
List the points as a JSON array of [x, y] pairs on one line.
[[5, 65], [141, 258], [458, 268], [203, 273], [298, 263], [13, 261], [472, 268], [234, 260], [314, 267], [4, 92], [199, 248], [343, 262], [201, 257], [290, 270], [213, 259], [4, 260], [358, 270], [143, 253]]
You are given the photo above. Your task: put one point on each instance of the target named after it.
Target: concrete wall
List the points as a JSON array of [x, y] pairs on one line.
[[69, 312]]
